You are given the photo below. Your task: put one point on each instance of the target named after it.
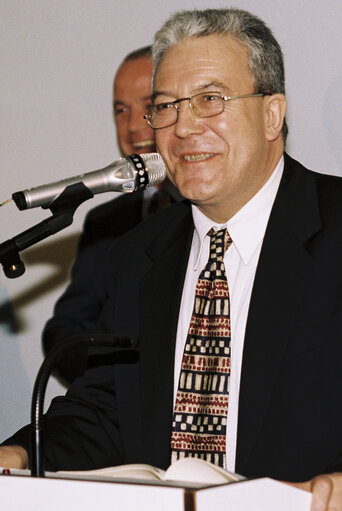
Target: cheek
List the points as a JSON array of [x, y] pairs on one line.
[[163, 143], [150, 131], [221, 132], [121, 128]]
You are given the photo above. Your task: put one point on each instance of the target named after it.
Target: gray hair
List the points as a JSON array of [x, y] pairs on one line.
[[265, 58]]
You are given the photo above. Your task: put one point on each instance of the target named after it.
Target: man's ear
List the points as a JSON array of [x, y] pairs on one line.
[[275, 110]]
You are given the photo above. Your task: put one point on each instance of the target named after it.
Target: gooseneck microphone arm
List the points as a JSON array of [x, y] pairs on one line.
[[38, 395]]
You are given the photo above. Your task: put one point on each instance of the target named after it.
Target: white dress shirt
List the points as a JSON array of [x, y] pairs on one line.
[[247, 229]]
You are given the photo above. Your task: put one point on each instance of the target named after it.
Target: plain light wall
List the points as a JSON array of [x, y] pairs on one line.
[[58, 58]]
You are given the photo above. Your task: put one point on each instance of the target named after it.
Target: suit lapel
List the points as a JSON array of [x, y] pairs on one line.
[[282, 272], [160, 296]]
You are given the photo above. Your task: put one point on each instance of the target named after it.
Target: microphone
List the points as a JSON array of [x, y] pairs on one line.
[[128, 174], [121, 345]]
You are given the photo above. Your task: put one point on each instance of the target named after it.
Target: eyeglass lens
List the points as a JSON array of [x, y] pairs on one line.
[[202, 105]]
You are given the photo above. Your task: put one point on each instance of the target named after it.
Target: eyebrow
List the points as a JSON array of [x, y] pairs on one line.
[[156, 94], [119, 102], [198, 88]]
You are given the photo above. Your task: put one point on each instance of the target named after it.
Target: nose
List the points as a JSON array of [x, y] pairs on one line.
[[136, 121], [187, 123]]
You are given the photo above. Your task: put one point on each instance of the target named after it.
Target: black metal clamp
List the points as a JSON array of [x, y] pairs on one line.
[[62, 208]]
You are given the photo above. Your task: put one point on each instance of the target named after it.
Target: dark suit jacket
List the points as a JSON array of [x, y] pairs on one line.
[[290, 417], [78, 309]]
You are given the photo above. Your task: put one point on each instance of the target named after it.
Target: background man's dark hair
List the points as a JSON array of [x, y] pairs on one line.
[[146, 51]]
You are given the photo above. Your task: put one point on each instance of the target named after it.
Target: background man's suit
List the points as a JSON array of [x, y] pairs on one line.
[[78, 309], [290, 417]]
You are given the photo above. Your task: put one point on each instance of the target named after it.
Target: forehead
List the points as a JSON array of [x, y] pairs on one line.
[[196, 62], [133, 77]]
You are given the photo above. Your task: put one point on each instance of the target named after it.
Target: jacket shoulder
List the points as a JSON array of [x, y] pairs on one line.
[[324, 180], [160, 229], [112, 219]]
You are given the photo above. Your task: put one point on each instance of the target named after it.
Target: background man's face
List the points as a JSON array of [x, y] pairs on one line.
[[132, 95], [221, 160]]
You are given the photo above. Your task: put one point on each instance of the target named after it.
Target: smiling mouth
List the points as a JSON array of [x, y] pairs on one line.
[[143, 143], [197, 157]]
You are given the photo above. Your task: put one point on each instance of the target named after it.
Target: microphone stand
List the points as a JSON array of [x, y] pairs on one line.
[[37, 404], [62, 208]]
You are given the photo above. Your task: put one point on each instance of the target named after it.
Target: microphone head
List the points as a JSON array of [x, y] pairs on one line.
[[155, 167], [129, 174], [150, 167]]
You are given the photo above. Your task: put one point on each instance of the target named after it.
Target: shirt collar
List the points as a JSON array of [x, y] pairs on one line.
[[247, 227]]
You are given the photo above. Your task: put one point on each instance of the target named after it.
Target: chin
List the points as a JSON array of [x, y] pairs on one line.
[[193, 195], [126, 151], [194, 190], [144, 150]]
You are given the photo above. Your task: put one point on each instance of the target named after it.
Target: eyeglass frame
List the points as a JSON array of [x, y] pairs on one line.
[[177, 101]]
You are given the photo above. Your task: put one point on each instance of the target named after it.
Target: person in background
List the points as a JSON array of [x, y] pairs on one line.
[[77, 310]]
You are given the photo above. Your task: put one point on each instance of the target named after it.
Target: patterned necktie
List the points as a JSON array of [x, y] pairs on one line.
[[200, 414]]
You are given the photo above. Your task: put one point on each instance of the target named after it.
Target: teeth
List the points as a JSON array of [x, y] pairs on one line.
[[197, 157], [143, 143]]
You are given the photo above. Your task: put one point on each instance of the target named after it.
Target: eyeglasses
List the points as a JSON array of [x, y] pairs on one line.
[[204, 104]]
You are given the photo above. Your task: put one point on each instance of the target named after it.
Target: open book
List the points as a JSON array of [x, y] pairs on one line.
[[185, 470]]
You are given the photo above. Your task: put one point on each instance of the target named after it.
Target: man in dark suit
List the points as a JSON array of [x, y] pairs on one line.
[[219, 110], [77, 310]]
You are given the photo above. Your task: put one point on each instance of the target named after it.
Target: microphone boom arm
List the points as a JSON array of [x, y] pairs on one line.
[[62, 208]]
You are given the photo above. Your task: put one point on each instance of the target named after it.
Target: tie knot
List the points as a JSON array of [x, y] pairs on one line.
[[219, 243]]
